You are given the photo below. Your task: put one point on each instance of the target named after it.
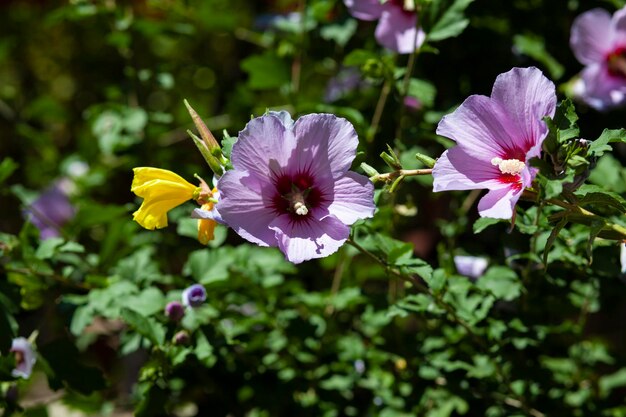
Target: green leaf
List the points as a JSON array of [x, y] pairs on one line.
[[423, 90], [502, 282], [534, 46], [146, 327], [7, 168], [48, 247], [484, 222], [601, 145], [552, 238], [448, 22], [359, 57], [265, 71], [608, 383], [340, 33]]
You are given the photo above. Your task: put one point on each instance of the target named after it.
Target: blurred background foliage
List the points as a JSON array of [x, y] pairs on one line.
[[92, 88]]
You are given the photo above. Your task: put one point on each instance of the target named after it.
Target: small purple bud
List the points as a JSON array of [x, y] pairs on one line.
[[194, 296], [174, 311], [181, 338]]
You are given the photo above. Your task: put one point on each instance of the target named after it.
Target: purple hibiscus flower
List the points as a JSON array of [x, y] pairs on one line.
[[51, 210], [290, 187], [24, 357], [495, 138], [599, 42], [397, 22]]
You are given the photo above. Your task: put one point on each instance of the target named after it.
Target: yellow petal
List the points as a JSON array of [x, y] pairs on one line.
[[162, 190], [206, 227]]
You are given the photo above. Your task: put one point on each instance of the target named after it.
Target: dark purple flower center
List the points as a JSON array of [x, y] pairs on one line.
[[616, 62], [19, 357], [296, 195]]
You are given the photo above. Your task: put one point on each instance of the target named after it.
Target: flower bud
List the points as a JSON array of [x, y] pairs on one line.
[[194, 296], [174, 311], [181, 338]]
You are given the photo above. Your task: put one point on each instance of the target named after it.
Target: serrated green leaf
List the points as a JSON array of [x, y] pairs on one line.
[[502, 282], [153, 331], [484, 222], [601, 145]]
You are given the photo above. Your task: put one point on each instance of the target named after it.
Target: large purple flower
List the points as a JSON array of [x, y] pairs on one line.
[[599, 42], [51, 210], [290, 186], [397, 22], [496, 137]]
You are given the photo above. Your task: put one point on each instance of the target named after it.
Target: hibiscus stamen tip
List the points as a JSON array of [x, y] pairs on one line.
[[300, 208], [509, 166]]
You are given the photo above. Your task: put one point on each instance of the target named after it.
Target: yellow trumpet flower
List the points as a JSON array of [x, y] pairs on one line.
[[206, 227], [161, 190]]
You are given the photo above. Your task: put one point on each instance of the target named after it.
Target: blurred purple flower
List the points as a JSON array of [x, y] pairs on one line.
[[342, 84], [290, 187], [622, 257], [397, 22], [174, 311], [413, 103], [496, 137], [470, 266], [194, 295], [598, 41], [24, 357], [51, 210]]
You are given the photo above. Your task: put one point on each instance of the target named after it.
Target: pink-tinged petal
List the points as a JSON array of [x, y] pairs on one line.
[[364, 9], [353, 198], [591, 34], [526, 96], [264, 145], [397, 30], [470, 266], [456, 170], [304, 240], [326, 145], [601, 90], [499, 203], [481, 129], [618, 28], [244, 206]]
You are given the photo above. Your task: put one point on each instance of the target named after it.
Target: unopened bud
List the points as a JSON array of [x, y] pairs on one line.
[[174, 311], [369, 171], [204, 131], [425, 159], [181, 338]]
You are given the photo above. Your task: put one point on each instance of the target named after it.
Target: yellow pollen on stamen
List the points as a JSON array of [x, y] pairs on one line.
[[509, 166]]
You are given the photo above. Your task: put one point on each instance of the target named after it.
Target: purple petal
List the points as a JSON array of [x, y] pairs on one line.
[[353, 198], [364, 9], [499, 203], [456, 170], [50, 211], [301, 241], [481, 129], [326, 145], [599, 89], [622, 257], [618, 26], [244, 207], [284, 117], [526, 96], [470, 266], [591, 34], [397, 30], [24, 368], [262, 146]]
